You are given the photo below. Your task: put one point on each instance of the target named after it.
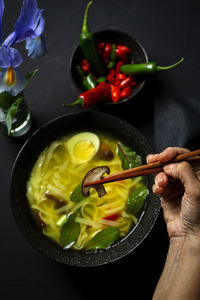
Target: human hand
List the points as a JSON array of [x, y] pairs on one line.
[[179, 188]]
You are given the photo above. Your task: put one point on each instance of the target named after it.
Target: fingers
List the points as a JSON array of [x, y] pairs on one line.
[[171, 152], [161, 181], [168, 154], [184, 172], [152, 158]]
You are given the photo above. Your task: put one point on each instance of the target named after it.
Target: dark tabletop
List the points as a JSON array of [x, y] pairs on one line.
[[166, 106]]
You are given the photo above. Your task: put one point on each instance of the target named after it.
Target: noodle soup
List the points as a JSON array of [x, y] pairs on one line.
[[63, 213]]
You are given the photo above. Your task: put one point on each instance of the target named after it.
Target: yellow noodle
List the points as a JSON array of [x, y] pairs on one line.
[[87, 222], [65, 208], [56, 191], [114, 210], [109, 223], [45, 212]]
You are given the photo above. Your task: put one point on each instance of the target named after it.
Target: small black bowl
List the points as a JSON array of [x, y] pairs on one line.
[[28, 155], [138, 55]]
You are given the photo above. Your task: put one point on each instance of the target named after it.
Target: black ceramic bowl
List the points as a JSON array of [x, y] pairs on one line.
[[138, 55], [27, 157]]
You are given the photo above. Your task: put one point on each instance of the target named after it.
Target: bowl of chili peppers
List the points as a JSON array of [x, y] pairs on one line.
[[114, 49], [109, 66]]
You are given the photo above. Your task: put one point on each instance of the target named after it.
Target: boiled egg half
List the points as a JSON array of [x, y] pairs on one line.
[[83, 147]]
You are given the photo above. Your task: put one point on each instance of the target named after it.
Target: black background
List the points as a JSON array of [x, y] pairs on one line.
[[168, 30]]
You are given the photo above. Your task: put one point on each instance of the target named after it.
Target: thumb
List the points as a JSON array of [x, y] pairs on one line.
[[184, 172]]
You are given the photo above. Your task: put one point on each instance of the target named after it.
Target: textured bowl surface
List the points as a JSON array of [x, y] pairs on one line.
[[138, 55], [62, 126]]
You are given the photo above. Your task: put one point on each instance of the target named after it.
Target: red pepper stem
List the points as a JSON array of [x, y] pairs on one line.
[[78, 101], [85, 28]]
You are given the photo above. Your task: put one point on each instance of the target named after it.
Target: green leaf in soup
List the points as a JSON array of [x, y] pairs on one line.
[[136, 199], [103, 239], [76, 195], [69, 232], [130, 159]]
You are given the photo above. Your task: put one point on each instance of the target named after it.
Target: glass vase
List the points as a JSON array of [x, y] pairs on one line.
[[21, 121]]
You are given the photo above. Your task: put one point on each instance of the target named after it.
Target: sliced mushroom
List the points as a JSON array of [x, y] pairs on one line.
[[38, 220], [58, 202], [93, 175]]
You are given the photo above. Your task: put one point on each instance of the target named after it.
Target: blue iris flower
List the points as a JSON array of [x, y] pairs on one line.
[[11, 80], [29, 27]]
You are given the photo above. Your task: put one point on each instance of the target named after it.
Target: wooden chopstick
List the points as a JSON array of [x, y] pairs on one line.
[[155, 167]]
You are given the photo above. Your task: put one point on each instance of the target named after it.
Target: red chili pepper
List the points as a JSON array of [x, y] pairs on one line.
[[112, 72], [100, 49], [112, 217], [123, 53], [115, 93], [110, 79], [125, 93], [126, 82], [85, 66], [100, 93], [119, 64], [133, 83], [117, 82], [107, 53], [101, 45], [123, 49], [120, 76]]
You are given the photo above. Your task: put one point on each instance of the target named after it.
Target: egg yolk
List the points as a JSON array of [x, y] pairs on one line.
[[84, 150]]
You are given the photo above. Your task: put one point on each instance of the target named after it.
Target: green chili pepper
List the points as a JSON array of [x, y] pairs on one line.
[[111, 64], [101, 79], [146, 68], [88, 46], [88, 82], [113, 53]]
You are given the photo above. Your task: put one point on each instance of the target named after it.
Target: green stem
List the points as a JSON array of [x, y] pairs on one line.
[[78, 101], [159, 68], [85, 28]]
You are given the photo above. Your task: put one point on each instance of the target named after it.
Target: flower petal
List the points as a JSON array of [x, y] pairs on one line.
[[11, 81], [29, 24], [36, 47], [39, 28], [1, 15], [9, 57]]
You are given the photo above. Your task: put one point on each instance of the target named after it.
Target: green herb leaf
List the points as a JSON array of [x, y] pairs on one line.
[[103, 239], [29, 76], [76, 195], [69, 232], [11, 113], [129, 158], [136, 200]]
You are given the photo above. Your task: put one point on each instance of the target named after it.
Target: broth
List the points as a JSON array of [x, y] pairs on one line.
[[53, 192]]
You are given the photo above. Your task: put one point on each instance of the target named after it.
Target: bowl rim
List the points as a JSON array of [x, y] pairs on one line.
[[142, 83], [91, 258]]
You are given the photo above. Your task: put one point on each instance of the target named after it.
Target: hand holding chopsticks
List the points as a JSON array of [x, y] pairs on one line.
[[156, 167]]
